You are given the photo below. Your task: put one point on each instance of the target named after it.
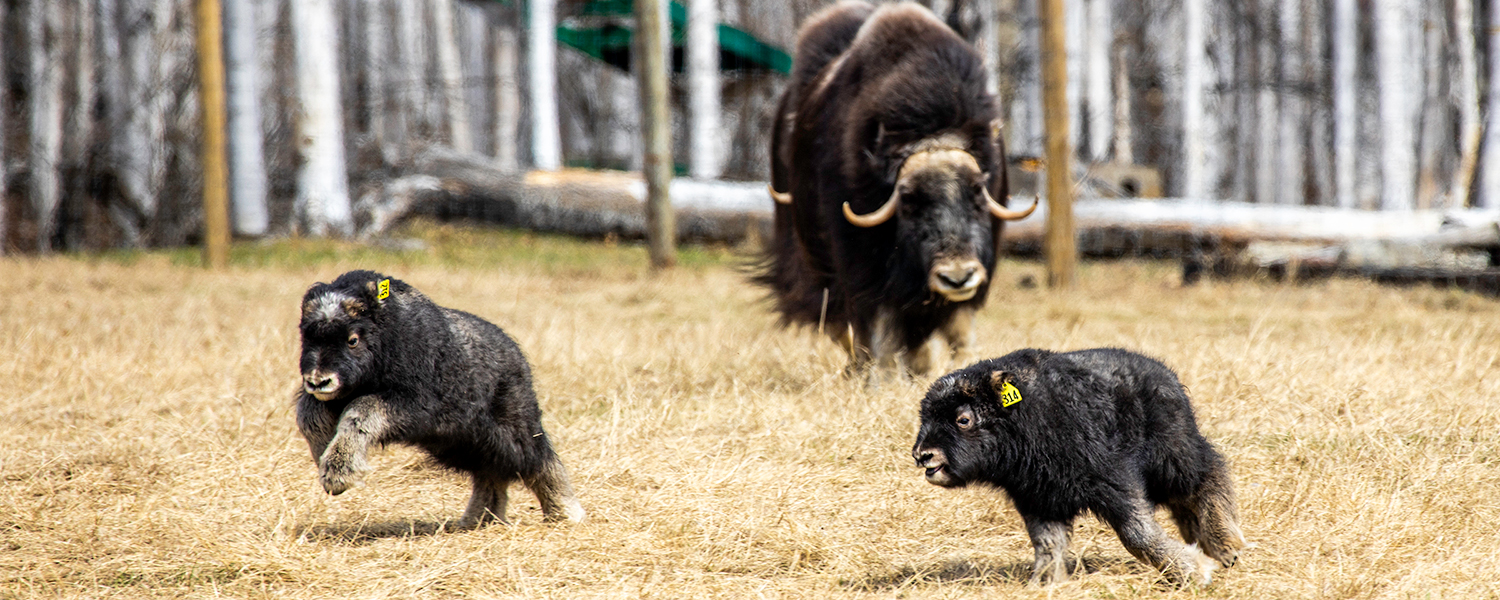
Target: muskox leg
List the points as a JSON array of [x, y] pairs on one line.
[[1145, 539], [1214, 518], [487, 503], [318, 424], [1050, 541], [959, 333], [923, 359], [886, 345], [554, 492], [343, 463]]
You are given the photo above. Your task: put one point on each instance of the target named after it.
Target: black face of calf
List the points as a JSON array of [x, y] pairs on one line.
[[339, 341], [959, 438]]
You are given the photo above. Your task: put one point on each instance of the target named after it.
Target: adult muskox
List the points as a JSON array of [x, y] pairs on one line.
[[889, 180]]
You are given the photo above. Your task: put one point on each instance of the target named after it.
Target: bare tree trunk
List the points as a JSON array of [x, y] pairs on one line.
[[1466, 89], [546, 137], [1432, 110], [507, 99], [652, 33], [376, 36], [1124, 150], [45, 110], [1075, 18], [247, 161], [4, 158], [1193, 187], [137, 149], [1345, 83], [323, 185], [1098, 110], [703, 88], [1025, 127], [411, 84], [1397, 154], [1289, 137], [457, 109], [1489, 172]]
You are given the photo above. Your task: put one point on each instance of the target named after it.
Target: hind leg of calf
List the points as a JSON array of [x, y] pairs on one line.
[[1145, 539], [555, 493], [1050, 541], [487, 503], [1218, 527]]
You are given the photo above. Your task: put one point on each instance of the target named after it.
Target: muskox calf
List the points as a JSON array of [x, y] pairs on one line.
[[382, 364], [1105, 431]]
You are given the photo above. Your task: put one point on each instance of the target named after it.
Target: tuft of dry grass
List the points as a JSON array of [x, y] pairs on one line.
[[147, 447]]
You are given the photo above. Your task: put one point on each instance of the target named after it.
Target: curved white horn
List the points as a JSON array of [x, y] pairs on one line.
[[881, 215], [1006, 214], [780, 197]]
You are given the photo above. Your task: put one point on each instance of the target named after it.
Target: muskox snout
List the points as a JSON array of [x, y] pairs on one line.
[[957, 279], [321, 384], [936, 464]]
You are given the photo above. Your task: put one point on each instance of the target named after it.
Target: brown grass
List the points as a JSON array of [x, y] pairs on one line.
[[147, 446]]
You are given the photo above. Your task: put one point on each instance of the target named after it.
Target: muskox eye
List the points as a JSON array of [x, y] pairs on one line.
[[353, 340], [965, 420]]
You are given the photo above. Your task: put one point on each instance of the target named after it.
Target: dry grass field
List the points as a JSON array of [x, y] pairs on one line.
[[147, 446]]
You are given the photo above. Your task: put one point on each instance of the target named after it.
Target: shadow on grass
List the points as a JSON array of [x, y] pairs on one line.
[[357, 534], [973, 572]]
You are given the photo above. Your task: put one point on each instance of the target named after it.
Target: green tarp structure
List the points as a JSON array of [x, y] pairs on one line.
[[610, 43]]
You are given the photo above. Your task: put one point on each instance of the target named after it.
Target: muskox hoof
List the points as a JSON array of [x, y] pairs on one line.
[[338, 482]]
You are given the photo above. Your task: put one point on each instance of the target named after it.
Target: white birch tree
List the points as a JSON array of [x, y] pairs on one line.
[[1489, 172], [1397, 153], [41, 21], [376, 63], [322, 202], [246, 154], [507, 99], [703, 88], [546, 135], [1345, 43], [1193, 183], [1024, 131], [1466, 92], [1098, 89], [1293, 117], [460, 137]]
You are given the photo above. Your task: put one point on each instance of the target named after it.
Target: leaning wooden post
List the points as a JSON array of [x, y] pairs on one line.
[[656, 131], [1061, 247], [211, 99]]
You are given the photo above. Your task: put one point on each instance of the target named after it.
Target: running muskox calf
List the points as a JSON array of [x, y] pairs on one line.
[[382, 364], [1104, 431]]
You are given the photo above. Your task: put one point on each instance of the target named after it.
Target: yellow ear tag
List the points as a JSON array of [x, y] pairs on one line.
[[1009, 394], [385, 289]]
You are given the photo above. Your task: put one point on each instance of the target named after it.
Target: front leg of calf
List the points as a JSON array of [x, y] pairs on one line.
[[343, 464], [1050, 540], [487, 503], [1145, 539], [317, 422]]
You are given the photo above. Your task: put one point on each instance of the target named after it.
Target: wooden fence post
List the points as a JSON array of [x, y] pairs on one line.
[[1061, 245]]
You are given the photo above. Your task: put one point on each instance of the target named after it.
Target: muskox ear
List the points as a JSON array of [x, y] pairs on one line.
[[378, 291], [1005, 388]]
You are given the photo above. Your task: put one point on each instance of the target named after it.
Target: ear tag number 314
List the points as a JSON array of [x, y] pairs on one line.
[[1009, 394]]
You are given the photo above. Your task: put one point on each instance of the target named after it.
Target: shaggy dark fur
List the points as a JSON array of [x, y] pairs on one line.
[[1105, 431], [400, 369], [870, 88]]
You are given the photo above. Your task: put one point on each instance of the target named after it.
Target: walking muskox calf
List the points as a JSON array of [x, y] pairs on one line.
[[1105, 431], [382, 364]]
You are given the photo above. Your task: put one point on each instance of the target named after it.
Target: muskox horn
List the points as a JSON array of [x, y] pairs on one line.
[[1006, 214], [779, 197], [881, 215]]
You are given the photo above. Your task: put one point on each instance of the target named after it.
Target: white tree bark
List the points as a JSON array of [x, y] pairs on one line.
[[322, 202], [703, 88], [138, 147], [987, 41], [376, 63], [40, 20], [247, 163], [459, 135], [1193, 184], [411, 79], [1099, 91], [1290, 132], [1075, 23], [1466, 92], [507, 99], [546, 135], [1489, 172], [1124, 145], [1345, 84], [1397, 153]]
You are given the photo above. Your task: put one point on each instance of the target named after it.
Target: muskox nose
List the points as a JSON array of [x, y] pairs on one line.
[[957, 279], [922, 456], [317, 382]]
